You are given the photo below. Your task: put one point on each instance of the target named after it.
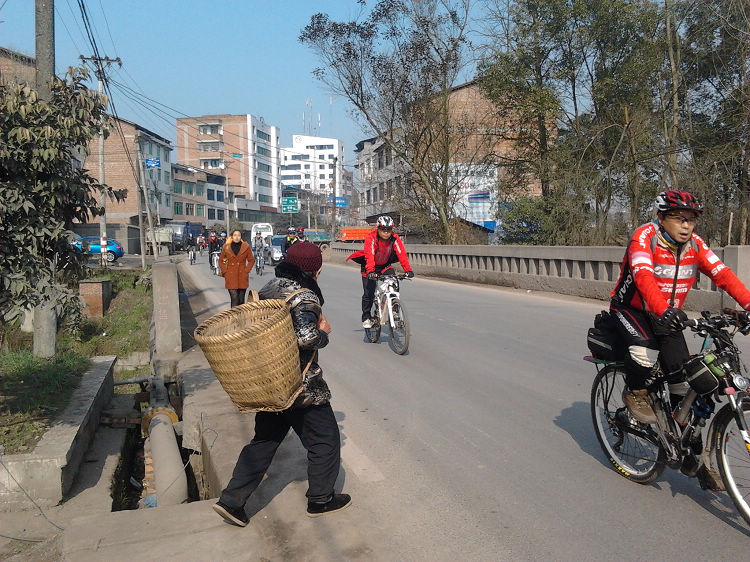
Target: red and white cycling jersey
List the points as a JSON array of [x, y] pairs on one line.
[[653, 279]]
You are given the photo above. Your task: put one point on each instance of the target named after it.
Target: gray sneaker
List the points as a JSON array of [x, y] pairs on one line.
[[367, 324], [639, 405]]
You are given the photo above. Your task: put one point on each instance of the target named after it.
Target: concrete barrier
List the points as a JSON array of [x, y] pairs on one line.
[[584, 271], [47, 473], [166, 332]]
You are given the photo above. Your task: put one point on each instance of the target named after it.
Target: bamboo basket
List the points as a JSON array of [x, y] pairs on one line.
[[253, 351]]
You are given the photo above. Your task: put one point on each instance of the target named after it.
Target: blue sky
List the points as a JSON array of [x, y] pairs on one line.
[[200, 57]]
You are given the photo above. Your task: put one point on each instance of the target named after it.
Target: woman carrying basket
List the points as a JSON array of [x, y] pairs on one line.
[[311, 415], [236, 261]]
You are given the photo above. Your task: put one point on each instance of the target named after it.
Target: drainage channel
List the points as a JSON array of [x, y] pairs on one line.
[[154, 468]]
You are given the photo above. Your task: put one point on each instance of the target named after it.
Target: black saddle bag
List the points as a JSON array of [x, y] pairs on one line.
[[602, 339]]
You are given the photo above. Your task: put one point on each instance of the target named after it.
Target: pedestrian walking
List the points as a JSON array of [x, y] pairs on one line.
[[311, 416], [236, 262]]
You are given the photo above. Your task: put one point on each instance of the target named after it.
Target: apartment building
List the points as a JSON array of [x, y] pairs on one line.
[[244, 149], [16, 68], [138, 147], [311, 168], [198, 196]]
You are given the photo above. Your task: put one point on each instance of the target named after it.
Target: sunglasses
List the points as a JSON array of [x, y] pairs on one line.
[[682, 218]]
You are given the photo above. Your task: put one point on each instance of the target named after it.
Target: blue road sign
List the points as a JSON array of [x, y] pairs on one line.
[[153, 163]]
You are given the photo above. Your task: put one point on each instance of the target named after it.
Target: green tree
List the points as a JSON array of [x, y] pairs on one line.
[[44, 190]]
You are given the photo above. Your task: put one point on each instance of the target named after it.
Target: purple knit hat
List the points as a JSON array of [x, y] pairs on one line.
[[305, 255]]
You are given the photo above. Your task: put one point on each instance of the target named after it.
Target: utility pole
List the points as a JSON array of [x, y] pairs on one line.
[[333, 212], [142, 186], [100, 62], [45, 318]]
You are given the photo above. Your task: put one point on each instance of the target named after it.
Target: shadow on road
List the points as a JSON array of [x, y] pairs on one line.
[[576, 421]]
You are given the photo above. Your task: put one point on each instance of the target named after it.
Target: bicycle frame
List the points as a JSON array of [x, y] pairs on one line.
[[386, 291]]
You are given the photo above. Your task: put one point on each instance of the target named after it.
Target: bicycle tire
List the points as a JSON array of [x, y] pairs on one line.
[[733, 456], [399, 327], [373, 333], [633, 457]]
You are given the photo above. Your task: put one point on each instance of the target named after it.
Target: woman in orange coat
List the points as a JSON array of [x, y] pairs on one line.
[[236, 261]]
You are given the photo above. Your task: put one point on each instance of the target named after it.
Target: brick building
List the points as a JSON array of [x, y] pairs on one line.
[[243, 148], [16, 67]]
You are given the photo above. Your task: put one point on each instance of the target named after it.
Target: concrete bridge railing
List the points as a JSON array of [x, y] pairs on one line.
[[584, 271]]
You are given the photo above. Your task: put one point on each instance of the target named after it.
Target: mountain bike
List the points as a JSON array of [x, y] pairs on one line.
[[387, 309], [259, 263], [640, 452], [191, 254]]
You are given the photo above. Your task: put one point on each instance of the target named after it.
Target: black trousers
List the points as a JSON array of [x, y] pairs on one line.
[[368, 296], [237, 296], [635, 331], [317, 429]]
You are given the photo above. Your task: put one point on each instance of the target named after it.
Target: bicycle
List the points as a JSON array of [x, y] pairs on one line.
[[259, 263], [640, 452], [387, 308], [215, 262], [191, 254]]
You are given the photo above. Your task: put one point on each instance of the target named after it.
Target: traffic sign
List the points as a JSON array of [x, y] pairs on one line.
[[153, 163], [289, 205]]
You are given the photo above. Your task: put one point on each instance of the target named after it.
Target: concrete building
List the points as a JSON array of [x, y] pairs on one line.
[[190, 190], [310, 169], [242, 148]]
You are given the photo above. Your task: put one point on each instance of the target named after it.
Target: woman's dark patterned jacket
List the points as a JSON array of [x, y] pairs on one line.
[[306, 309]]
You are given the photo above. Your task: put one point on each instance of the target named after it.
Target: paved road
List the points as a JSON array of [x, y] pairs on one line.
[[478, 444]]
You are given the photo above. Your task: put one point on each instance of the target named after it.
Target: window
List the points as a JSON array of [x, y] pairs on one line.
[[166, 176], [219, 215], [210, 195], [291, 177], [219, 195], [167, 200], [166, 154], [263, 151], [330, 166], [330, 176], [307, 166], [307, 186], [214, 129], [177, 188], [178, 207], [199, 189], [299, 156], [287, 167], [210, 146], [266, 168], [190, 209], [188, 188], [199, 210], [322, 176], [158, 174], [212, 163], [266, 183], [263, 136], [320, 147], [307, 176], [331, 156], [321, 167], [211, 214]]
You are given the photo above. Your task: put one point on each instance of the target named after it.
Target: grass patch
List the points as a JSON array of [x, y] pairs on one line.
[[32, 392]]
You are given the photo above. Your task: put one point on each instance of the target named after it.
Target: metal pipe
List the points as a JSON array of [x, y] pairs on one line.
[[169, 472]]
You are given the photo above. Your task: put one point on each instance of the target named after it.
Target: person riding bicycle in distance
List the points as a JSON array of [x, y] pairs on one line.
[[660, 265], [382, 249], [291, 238], [258, 244]]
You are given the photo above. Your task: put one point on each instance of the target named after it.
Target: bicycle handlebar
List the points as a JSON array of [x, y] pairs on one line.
[[728, 318], [399, 276]]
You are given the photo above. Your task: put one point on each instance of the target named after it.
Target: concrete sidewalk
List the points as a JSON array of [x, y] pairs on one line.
[[217, 431]]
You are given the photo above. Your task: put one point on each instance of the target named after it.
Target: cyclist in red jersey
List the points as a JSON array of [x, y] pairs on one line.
[[382, 249], [660, 265]]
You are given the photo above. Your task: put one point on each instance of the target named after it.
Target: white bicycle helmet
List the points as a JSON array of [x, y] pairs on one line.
[[385, 222]]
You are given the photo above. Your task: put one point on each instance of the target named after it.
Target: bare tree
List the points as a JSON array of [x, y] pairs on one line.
[[398, 67]]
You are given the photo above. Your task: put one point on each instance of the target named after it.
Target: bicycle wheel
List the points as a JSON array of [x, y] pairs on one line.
[[373, 333], [733, 456], [626, 442], [399, 326]]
